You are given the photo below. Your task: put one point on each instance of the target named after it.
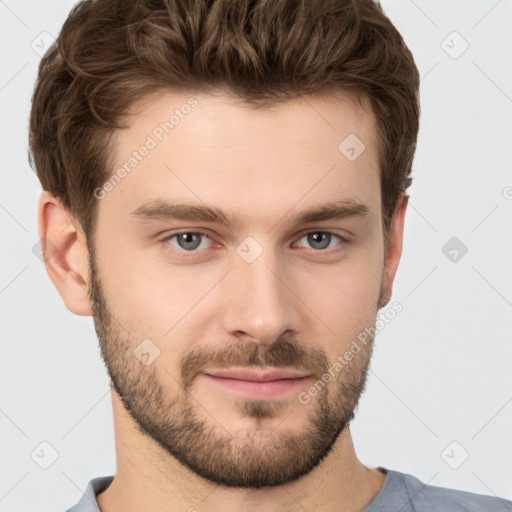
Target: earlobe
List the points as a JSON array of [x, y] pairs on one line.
[[64, 249], [394, 250]]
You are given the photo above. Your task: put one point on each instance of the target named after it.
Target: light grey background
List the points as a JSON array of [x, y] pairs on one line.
[[442, 368]]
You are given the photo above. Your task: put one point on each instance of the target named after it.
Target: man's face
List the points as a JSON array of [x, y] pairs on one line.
[[265, 292]]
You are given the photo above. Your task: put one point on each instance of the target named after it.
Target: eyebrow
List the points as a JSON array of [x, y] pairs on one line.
[[163, 210]]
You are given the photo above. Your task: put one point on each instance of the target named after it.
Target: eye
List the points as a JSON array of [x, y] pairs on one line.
[[188, 240], [191, 241], [322, 239]]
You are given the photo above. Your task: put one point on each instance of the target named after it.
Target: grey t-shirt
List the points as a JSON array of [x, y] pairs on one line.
[[401, 492]]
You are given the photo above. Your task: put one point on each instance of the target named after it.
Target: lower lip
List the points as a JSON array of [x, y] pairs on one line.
[[258, 390]]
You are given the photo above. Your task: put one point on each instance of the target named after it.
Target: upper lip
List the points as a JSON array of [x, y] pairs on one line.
[[257, 375]]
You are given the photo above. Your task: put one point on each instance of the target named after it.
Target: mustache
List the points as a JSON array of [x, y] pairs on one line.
[[284, 353]]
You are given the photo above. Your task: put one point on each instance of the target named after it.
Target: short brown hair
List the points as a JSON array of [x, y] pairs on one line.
[[112, 53]]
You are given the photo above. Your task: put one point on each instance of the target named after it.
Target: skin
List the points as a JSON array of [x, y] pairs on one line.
[[181, 442]]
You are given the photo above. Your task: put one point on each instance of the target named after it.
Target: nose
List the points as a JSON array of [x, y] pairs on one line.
[[260, 302]]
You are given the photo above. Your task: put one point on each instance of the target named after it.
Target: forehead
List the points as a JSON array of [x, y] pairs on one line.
[[213, 149]]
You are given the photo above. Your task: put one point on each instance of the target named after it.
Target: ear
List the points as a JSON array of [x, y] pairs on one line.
[[64, 249], [393, 250]]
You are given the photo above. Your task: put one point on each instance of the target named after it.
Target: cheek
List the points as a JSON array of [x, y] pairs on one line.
[[138, 294], [343, 296]]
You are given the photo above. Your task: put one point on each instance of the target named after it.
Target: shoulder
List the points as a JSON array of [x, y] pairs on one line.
[[88, 502], [428, 498]]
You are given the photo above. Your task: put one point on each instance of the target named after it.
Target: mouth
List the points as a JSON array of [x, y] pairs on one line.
[[257, 384]]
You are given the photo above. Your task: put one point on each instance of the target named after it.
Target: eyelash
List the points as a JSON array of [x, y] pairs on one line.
[[165, 241]]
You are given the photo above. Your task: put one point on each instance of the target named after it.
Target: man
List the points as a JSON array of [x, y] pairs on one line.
[[225, 193]]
